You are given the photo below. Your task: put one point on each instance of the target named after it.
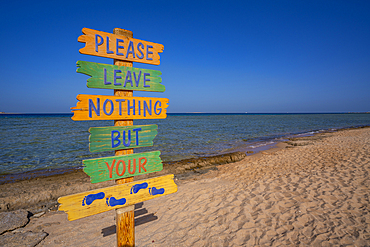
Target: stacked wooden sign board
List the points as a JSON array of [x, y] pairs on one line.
[[123, 136]]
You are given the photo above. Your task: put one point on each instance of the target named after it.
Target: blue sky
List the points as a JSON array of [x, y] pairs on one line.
[[219, 56]]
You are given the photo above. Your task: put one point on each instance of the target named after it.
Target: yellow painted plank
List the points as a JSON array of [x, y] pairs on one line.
[[115, 46], [101, 200], [103, 107]]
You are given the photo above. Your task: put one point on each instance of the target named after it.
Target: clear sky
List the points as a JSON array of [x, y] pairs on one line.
[[219, 56]]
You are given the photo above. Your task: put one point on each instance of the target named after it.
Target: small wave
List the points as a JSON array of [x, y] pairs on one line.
[[261, 144]]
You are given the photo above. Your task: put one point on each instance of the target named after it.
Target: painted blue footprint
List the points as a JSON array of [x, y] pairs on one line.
[[154, 191], [92, 197], [112, 201], [137, 187]]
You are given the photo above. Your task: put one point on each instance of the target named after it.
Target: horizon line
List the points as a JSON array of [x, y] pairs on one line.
[[344, 112]]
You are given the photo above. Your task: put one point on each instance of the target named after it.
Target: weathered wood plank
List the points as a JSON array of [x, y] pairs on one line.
[[102, 107], [101, 200], [116, 167], [125, 220], [115, 46], [121, 137], [108, 76]]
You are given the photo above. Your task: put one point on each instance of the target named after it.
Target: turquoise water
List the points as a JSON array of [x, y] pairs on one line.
[[53, 141]]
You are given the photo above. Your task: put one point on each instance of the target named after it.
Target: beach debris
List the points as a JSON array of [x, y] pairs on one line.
[[203, 162], [13, 220], [37, 215]]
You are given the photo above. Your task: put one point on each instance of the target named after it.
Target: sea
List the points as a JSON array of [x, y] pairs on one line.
[[48, 144]]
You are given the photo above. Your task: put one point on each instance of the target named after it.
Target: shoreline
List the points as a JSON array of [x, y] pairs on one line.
[[310, 191], [41, 193], [257, 144]]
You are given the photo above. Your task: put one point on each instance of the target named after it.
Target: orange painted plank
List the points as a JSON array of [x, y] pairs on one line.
[[115, 46], [102, 107]]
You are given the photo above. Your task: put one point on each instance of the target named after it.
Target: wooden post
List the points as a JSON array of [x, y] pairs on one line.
[[125, 222]]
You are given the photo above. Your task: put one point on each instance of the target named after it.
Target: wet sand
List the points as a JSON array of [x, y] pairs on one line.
[[310, 191]]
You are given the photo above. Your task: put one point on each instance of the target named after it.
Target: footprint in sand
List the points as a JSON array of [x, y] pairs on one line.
[[138, 187], [154, 191], [112, 201], [92, 197]]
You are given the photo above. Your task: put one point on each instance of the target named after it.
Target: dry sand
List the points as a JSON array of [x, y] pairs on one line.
[[314, 192]]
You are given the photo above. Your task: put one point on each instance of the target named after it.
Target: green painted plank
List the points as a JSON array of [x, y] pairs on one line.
[[116, 167], [108, 76], [121, 137]]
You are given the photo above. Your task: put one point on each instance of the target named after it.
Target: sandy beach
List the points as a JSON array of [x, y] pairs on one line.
[[310, 191]]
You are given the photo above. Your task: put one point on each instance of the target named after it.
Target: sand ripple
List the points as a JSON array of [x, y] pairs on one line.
[[315, 194]]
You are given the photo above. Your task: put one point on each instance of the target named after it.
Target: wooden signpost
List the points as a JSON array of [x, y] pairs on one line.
[[123, 136]]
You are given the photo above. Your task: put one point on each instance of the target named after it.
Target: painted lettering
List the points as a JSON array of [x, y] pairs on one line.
[[127, 144], [116, 46], [123, 168], [128, 78], [131, 78], [148, 52], [141, 52], [119, 47], [138, 78], [105, 77], [147, 109], [93, 108], [139, 106], [115, 138], [117, 77], [120, 105], [130, 49], [110, 168], [145, 79], [105, 107], [97, 42], [108, 51], [155, 107], [134, 166], [131, 107], [141, 165], [137, 135], [127, 107]]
